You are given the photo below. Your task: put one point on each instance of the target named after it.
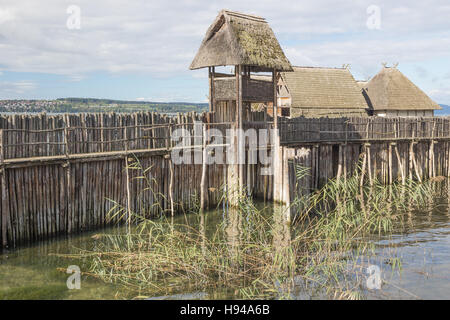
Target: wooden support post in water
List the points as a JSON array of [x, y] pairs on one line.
[[400, 164], [363, 168], [411, 158], [369, 163], [390, 164], [431, 166], [340, 160], [413, 162]]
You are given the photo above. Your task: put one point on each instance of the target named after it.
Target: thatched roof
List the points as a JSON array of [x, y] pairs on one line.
[[362, 83], [391, 90], [323, 88], [240, 39]]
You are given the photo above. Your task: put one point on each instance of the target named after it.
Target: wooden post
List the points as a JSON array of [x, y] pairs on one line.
[[413, 162], [102, 148], [340, 160], [363, 169], [400, 164], [211, 71], [66, 166], [4, 186], [203, 191], [171, 169], [275, 101], [127, 174], [316, 148], [390, 163], [448, 160], [411, 157], [431, 169], [241, 142], [369, 163]]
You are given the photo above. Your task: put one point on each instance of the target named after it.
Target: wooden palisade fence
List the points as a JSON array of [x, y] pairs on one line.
[[59, 173]]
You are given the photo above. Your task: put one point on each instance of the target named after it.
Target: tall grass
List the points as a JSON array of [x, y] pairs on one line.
[[257, 252]]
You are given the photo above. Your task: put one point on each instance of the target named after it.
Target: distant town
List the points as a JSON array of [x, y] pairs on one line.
[[77, 105], [80, 105]]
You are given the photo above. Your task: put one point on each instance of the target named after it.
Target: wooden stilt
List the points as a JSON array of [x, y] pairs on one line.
[[363, 168], [414, 162], [390, 168], [411, 159], [400, 164], [369, 164], [340, 159]]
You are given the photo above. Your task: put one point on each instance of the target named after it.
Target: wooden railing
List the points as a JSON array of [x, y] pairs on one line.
[[357, 129], [24, 142]]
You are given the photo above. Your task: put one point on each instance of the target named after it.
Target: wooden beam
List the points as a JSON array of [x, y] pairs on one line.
[[275, 100], [240, 138]]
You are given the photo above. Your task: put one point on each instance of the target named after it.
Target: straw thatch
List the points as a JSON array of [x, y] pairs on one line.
[[240, 39], [323, 90], [391, 90], [362, 83]]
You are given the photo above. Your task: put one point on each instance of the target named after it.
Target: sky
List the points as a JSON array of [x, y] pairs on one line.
[[141, 50]]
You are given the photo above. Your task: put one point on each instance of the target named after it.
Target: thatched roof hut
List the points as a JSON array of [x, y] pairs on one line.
[[321, 91], [240, 39], [390, 90]]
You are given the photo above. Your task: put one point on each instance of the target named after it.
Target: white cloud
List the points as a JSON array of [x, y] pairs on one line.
[[440, 95], [6, 15], [12, 89], [160, 38]]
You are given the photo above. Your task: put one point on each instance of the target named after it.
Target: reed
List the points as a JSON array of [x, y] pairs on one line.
[[257, 252]]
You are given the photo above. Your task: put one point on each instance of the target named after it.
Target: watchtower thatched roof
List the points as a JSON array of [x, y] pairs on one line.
[[240, 39], [391, 90], [323, 88]]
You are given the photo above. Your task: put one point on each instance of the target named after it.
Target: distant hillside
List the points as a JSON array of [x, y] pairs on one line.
[[75, 105], [444, 112]]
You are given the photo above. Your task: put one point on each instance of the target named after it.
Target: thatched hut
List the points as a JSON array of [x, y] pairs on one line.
[[390, 93], [319, 92], [248, 43]]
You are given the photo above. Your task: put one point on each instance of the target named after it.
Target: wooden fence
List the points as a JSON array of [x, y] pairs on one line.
[[356, 129], [62, 173]]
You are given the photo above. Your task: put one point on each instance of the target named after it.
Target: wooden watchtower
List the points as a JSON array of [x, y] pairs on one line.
[[247, 43]]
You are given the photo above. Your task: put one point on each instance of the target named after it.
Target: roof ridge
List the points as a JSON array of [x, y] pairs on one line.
[[312, 67], [243, 15]]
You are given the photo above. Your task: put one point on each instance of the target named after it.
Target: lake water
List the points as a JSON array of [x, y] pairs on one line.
[[422, 243]]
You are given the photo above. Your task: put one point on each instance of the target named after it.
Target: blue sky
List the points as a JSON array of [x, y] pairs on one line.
[[142, 49]]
